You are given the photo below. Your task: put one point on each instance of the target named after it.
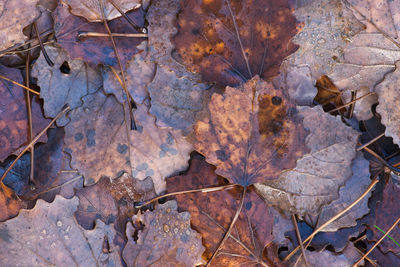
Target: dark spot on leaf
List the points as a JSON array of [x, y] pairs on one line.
[[5, 235], [122, 148], [221, 155], [78, 137], [64, 68], [90, 133], [276, 100], [248, 205], [90, 209]]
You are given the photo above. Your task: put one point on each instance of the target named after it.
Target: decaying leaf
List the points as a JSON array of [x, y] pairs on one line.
[[96, 50], [98, 10], [15, 15], [49, 235], [10, 204], [252, 134], [64, 83], [328, 96], [212, 213], [318, 175], [102, 144], [14, 115], [167, 233], [231, 41]]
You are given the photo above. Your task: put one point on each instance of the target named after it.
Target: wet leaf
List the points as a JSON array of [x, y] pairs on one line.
[[49, 235], [15, 15], [318, 175], [167, 236], [212, 213], [97, 10], [96, 50], [64, 83], [231, 41], [102, 144], [14, 116], [252, 134]]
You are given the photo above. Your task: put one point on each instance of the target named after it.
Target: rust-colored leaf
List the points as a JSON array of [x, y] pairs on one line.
[[167, 237], [231, 41], [10, 204], [213, 212], [14, 115], [48, 235], [252, 134], [15, 15], [102, 144], [328, 96], [96, 50]]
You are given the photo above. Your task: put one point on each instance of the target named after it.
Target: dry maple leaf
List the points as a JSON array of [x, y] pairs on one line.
[[64, 83], [318, 175], [49, 235], [14, 18], [101, 143], [166, 232], [231, 41], [14, 115], [252, 134], [97, 10]]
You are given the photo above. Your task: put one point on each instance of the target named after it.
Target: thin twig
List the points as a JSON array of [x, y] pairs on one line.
[[378, 242], [294, 220], [203, 190], [33, 142], [351, 102], [30, 123], [319, 229], [99, 34], [228, 232], [20, 85], [128, 19], [352, 106], [46, 56], [370, 142], [380, 159]]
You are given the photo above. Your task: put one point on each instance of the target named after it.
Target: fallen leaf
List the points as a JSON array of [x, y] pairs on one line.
[[10, 204], [64, 83], [14, 116], [316, 179], [102, 144], [252, 134], [212, 213], [96, 50], [14, 18], [52, 173], [229, 42], [166, 232], [97, 10], [328, 96], [49, 235]]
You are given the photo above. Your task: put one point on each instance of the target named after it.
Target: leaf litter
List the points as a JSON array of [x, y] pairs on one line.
[[230, 80]]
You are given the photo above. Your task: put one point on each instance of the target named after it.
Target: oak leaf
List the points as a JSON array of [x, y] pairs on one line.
[[252, 134], [48, 234], [167, 236], [101, 143]]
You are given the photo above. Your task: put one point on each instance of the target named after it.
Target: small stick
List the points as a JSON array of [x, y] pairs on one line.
[[20, 85], [128, 19], [30, 123], [228, 232], [203, 190], [299, 239], [352, 106], [48, 60], [319, 229], [374, 154], [378, 242], [33, 142], [351, 102], [83, 34], [370, 142]]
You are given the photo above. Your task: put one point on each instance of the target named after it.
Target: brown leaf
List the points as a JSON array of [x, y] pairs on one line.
[[64, 83], [15, 15], [252, 134], [13, 114], [213, 212], [52, 173], [10, 204], [328, 96], [102, 144], [318, 175], [97, 10], [166, 234], [49, 235], [96, 50], [231, 41]]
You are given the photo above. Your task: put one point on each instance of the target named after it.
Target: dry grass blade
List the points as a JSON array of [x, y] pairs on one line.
[[62, 112], [20, 85], [99, 34], [379, 241], [131, 22], [303, 252], [30, 124], [351, 102], [370, 142], [319, 229], [42, 46]]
